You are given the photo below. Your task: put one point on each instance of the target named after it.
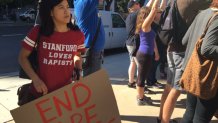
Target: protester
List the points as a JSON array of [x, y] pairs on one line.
[[152, 80], [132, 42], [200, 110], [146, 49], [183, 14], [60, 44], [86, 15]]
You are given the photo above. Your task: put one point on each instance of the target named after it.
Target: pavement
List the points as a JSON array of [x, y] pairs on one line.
[[117, 67]]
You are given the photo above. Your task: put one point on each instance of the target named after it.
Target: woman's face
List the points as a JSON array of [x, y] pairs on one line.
[[61, 13]]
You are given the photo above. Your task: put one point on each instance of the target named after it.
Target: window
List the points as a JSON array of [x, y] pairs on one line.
[[117, 21]]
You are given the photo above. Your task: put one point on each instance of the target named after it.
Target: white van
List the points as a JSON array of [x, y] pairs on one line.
[[115, 29]]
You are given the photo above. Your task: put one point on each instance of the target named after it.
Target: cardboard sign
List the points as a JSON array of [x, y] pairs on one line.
[[89, 101]]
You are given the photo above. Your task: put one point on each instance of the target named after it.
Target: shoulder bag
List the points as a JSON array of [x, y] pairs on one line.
[[200, 76]]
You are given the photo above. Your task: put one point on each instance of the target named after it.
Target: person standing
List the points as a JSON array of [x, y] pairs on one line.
[[201, 110], [183, 14], [146, 49], [151, 80], [86, 15], [132, 42], [57, 36]]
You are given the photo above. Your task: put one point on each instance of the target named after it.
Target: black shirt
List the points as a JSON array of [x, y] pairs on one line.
[[185, 12], [130, 28]]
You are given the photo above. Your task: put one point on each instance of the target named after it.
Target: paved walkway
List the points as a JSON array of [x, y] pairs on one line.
[[117, 66]]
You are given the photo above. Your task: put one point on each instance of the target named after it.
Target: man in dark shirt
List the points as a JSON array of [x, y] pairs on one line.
[[132, 41]]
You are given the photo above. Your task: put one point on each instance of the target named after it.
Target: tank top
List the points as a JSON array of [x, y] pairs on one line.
[[147, 42]]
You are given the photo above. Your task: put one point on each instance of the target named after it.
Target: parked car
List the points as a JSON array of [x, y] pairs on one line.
[[115, 29], [28, 15]]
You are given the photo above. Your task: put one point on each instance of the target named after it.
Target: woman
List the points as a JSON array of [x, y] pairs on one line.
[[146, 50], [59, 48], [199, 110]]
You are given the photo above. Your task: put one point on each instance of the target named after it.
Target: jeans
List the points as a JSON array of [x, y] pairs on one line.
[[97, 60], [199, 110]]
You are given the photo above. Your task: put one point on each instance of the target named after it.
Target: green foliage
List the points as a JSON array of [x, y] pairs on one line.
[[121, 6], [27, 2], [5, 2]]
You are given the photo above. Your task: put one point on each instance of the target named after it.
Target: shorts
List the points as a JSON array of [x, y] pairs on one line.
[[130, 50], [174, 73]]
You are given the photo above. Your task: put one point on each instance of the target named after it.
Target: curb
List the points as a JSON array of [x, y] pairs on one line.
[[7, 75]]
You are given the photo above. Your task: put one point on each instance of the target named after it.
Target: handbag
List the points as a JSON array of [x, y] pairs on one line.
[[200, 76], [24, 94], [87, 57], [32, 59]]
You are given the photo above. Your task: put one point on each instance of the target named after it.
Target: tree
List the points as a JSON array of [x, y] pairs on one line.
[[5, 2], [28, 2], [108, 5], [120, 5]]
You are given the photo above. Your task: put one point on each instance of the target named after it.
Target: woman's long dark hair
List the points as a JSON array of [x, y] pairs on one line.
[[47, 24]]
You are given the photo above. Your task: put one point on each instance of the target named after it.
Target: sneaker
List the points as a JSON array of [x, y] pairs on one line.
[[144, 101], [132, 85], [148, 91], [157, 85]]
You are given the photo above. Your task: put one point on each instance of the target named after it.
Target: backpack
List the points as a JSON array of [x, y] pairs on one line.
[[172, 26], [166, 27]]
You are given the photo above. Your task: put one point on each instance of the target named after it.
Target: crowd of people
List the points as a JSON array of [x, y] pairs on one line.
[[54, 36], [145, 30]]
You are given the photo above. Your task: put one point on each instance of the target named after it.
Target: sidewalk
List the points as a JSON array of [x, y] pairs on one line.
[[117, 66]]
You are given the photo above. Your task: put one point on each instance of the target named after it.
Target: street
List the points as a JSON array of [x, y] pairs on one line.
[[10, 38]]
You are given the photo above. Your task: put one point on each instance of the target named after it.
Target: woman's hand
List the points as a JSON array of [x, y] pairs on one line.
[[25, 64], [40, 86]]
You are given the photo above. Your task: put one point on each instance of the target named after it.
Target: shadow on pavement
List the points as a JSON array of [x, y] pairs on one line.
[[142, 119], [4, 90], [179, 104]]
